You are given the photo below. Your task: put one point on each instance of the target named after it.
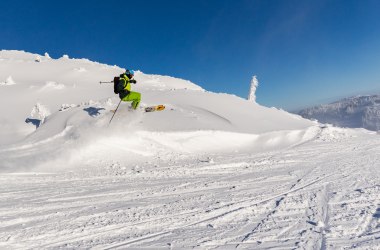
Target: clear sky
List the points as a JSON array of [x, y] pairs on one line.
[[303, 52]]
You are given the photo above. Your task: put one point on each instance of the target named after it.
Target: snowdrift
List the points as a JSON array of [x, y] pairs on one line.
[[55, 115]]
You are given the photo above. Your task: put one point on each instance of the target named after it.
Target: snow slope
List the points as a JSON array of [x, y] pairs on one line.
[[353, 112], [210, 171], [58, 110]]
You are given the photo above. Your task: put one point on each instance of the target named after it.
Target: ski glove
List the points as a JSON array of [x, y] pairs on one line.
[[133, 81]]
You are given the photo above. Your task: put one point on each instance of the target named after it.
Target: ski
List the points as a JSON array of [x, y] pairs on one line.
[[155, 108], [148, 109]]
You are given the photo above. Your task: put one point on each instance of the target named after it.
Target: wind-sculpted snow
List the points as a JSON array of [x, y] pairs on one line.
[[64, 108], [68, 136], [211, 171]]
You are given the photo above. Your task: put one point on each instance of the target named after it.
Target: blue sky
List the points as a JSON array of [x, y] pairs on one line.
[[303, 52]]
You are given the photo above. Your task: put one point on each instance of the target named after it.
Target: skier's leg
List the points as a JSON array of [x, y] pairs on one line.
[[133, 97], [136, 99]]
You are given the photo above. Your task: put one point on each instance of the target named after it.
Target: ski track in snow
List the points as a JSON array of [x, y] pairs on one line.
[[286, 199]]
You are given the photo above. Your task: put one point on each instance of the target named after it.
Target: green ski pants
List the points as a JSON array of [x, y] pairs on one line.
[[134, 97]]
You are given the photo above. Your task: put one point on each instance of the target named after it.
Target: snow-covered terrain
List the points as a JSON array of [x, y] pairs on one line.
[[353, 112], [211, 171]]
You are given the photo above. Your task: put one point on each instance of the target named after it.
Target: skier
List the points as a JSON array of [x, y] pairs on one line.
[[125, 94]]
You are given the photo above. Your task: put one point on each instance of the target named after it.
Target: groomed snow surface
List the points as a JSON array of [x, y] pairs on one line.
[[211, 171]]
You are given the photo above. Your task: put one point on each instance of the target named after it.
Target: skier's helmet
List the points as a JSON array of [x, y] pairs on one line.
[[129, 72]]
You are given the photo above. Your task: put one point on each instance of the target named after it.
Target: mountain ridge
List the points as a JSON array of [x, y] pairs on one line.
[[361, 111]]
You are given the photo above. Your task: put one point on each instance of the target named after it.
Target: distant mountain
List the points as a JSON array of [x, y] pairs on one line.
[[353, 112]]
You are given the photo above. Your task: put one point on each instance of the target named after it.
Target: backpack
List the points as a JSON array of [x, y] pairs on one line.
[[116, 89]]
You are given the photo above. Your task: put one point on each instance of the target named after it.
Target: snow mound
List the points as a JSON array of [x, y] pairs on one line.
[[72, 124], [8, 81], [52, 85]]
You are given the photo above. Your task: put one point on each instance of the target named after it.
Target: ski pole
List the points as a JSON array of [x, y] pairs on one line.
[[114, 112], [105, 82]]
